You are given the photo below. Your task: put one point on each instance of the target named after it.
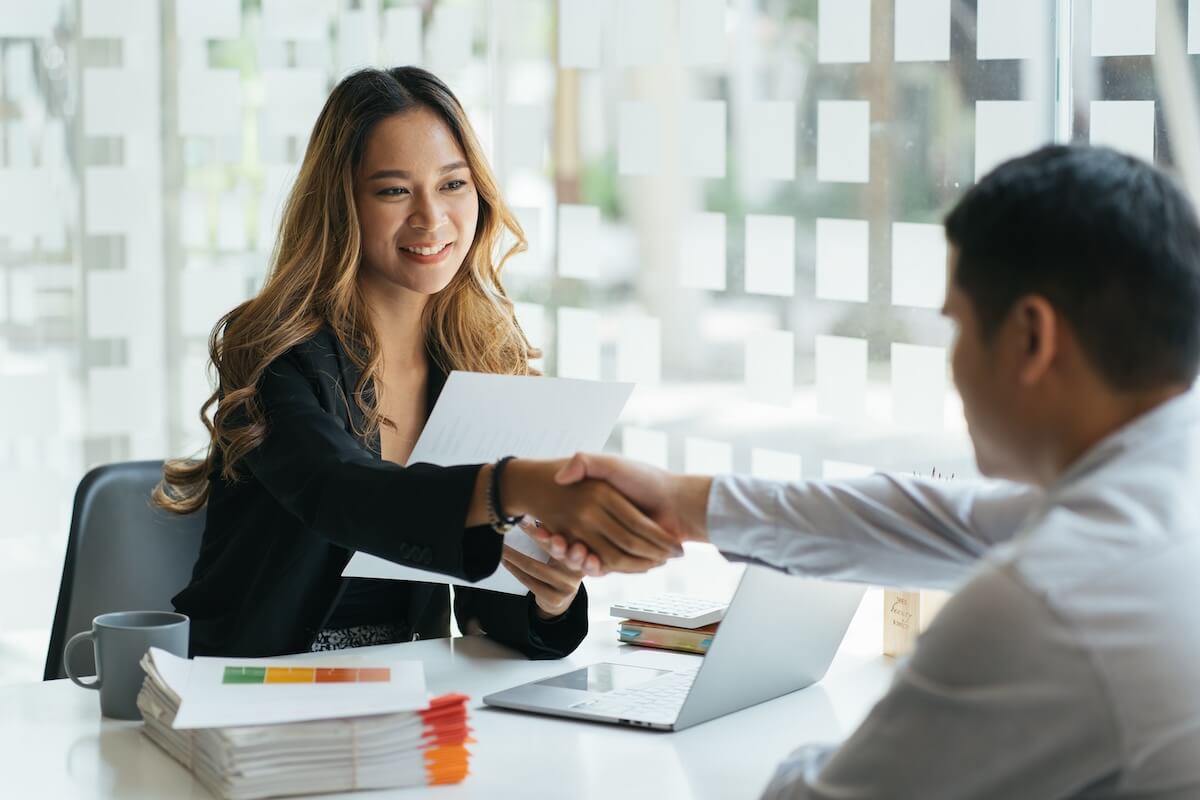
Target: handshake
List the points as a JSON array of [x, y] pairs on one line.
[[599, 513]]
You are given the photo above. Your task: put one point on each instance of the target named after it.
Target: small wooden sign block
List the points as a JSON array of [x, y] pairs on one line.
[[906, 614]]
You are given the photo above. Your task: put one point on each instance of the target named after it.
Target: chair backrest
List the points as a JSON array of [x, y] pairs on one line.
[[123, 554]]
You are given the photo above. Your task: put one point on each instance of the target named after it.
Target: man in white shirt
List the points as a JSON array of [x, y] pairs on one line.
[[1068, 662]]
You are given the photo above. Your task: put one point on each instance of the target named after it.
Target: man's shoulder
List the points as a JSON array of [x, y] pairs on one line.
[[1088, 538]]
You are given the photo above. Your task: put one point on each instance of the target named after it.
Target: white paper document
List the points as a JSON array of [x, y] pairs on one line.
[[277, 690], [481, 418]]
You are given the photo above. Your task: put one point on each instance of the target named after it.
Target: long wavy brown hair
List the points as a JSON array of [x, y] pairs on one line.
[[312, 284]]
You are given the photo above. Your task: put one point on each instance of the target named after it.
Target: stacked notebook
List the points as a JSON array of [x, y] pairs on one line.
[[302, 743], [670, 621], [667, 637]]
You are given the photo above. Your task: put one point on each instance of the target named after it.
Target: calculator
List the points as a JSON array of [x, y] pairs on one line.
[[678, 610]]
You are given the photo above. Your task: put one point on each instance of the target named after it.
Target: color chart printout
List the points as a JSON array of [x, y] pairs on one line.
[[293, 675], [219, 692]]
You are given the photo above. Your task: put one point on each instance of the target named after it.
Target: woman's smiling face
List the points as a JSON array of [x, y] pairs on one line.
[[416, 202]]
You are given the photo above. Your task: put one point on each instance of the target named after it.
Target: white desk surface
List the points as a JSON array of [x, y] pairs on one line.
[[54, 744]]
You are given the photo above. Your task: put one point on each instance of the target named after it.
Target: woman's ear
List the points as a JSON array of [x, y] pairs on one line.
[[1038, 337]]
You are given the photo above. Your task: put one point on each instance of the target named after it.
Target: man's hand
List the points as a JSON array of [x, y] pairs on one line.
[[554, 585], [591, 512], [677, 503]]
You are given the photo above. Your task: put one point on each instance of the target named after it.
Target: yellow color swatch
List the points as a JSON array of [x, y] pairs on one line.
[[291, 675]]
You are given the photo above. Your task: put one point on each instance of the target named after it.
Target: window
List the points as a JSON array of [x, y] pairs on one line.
[[734, 204]]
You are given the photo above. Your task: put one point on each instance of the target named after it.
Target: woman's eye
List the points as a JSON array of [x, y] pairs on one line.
[[456, 184], [393, 191]]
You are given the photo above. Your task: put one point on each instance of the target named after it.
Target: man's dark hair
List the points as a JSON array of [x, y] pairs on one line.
[[1110, 241]]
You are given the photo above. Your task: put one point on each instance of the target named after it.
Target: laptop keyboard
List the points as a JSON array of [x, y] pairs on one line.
[[658, 700]]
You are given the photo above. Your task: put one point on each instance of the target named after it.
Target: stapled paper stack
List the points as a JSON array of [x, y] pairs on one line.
[[250, 729]]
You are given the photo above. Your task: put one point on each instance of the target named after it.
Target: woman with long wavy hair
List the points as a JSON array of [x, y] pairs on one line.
[[383, 279]]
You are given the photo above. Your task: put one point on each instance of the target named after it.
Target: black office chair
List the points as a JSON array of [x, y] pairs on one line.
[[123, 554]]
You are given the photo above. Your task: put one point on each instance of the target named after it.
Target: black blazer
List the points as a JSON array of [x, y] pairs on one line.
[[275, 542]]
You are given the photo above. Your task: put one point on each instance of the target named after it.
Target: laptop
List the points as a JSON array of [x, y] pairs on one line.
[[779, 634]]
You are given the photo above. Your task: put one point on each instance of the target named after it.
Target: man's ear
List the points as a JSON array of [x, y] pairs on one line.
[[1038, 336]]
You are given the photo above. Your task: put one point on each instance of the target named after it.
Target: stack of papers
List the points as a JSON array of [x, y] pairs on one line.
[[251, 728]]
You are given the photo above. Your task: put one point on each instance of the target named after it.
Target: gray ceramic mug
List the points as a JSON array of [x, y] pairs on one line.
[[120, 640]]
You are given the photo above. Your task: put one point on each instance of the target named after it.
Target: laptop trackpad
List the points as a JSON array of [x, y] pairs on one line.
[[603, 677]]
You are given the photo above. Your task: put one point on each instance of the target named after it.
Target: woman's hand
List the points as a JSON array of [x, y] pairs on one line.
[[554, 584], [575, 556]]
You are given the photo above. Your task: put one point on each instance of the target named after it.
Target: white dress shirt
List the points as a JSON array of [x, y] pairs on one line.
[[1068, 662]]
